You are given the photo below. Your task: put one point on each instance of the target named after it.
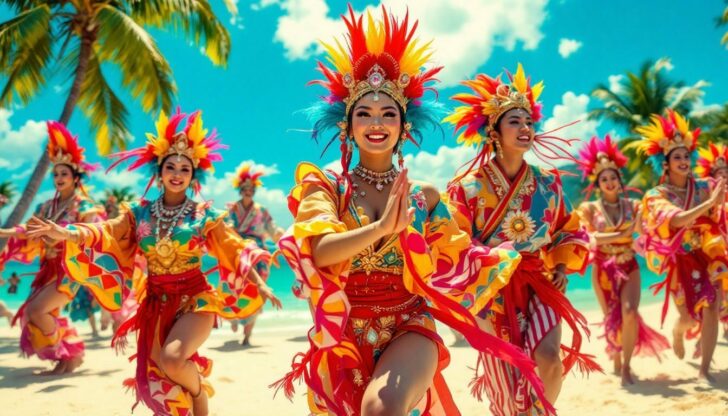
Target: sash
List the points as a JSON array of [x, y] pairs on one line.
[[501, 209]]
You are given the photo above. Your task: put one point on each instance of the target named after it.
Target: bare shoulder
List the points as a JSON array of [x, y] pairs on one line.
[[432, 195]]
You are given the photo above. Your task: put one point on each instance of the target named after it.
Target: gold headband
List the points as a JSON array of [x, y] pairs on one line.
[[180, 147], [503, 101], [376, 82]]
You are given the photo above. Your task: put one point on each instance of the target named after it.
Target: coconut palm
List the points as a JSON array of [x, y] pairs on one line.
[[634, 99], [81, 38], [124, 194], [7, 192], [723, 21], [714, 124]]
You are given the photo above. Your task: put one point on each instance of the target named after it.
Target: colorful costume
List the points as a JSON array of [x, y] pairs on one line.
[[614, 262], [530, 212], [712, 163], [63, 343], [428, 272], [105, 261], [693, 257]]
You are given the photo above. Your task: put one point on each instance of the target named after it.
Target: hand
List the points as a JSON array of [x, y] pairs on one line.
[[397, 213], [267, 293], [46, 229], [558, 278], [717, 197]]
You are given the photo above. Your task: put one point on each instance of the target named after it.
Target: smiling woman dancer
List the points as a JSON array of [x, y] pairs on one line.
[[378, 257], [612, 220], [684, 233], [44, 332], [501, 198], [713, 163], [179, 307]]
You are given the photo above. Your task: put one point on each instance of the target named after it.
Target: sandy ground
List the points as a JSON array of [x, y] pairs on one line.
[[241, 378]]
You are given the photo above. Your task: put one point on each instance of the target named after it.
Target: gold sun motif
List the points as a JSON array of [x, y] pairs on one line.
[[518, 226]]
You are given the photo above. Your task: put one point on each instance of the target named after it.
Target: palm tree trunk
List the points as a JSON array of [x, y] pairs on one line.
[[41, 168]]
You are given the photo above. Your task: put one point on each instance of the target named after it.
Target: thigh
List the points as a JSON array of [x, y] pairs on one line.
[[188, 334], [47, 300], [631, 291], [406, 368]]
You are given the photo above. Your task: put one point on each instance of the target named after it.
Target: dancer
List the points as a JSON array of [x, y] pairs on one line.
[[253, 222], [44, 332], [612, 220], [501, 198], [179, 308], [713, 163], [684, 233], [378, 257]]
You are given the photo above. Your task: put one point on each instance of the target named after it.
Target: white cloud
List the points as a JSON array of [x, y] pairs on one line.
[[700, 108], [568, 47], [438, 168], [122, 178], [464, 32], [615, 83], [24, 145]]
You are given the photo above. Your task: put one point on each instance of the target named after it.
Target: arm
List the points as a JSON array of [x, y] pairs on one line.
[[335, 248], [11, 232], [688, 217]]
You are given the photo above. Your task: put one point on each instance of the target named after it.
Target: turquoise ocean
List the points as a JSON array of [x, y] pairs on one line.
[[295, 314]]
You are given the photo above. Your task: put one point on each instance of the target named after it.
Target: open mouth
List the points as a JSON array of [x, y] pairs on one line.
[[524, 138], [377, 137], [175, 183]]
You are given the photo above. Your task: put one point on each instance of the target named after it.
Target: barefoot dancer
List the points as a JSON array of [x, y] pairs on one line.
[[173, 232], [253, 222], [684, 233], [44, 332], [612, 220], [500, 199], [378, 257]]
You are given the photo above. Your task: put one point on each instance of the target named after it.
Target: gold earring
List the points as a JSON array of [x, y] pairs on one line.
[[498, 149], [400, 156]]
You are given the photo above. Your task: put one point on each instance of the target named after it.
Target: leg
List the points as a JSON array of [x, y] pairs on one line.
[[39, 309], [92, 322], [248, 330], [708, 340], [548, 360], [186, 336], [400, 378], [683, 323], [630, 299]]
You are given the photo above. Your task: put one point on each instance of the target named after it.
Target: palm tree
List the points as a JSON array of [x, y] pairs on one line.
[[7, 192], [636, 98], [78, 37], [714, 124], [124, 194]]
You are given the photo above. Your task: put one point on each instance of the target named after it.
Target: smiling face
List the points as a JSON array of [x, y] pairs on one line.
[[721, 173], [515, 131], [247, 190], [63, 178], [176, 174], [376, 125], [678, 162], [609, 182]]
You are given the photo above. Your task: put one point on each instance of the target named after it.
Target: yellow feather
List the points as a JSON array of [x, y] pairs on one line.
[[161, 124], [519, 79], [682, 124], [374, 35], [415, 58], [196, 132], [536, 90], [338, 57]]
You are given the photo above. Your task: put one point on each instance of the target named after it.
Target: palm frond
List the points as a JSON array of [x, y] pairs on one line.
[[144, 71], [194, 18], [25, 49], [105, 111]]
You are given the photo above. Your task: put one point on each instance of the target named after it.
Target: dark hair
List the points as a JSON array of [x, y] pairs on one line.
[[403, 120], [496, 126], [669, 154], [74, 173], [159, 168], [619, 176]]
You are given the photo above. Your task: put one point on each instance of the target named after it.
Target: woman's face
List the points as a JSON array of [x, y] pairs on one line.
[[721, 173], [678, 162], [63, 178], [515, 131], [176, 174], [376, 125], [247, 190], [609, 183]]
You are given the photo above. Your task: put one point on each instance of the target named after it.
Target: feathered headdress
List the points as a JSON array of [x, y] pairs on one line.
[[489, 100], [663, 135], [598, 155], [245, 175], [383, 57], [63, 149], [711, 159], [192, 142]]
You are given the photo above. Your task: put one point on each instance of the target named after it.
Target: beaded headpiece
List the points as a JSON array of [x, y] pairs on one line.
[[711, 159], [63, 149], [663, 135], [192, 142], [244, 175]]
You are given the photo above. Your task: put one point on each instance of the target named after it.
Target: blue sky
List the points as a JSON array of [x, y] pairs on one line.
[[571, 45]]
